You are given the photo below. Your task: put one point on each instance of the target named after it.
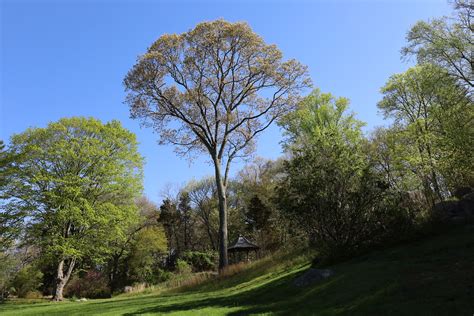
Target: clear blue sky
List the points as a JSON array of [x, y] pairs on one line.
[[68, 58]]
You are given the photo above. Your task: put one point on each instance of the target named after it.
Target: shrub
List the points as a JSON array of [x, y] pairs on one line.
[[200, 261], [183, 267], [27, 280], [92, 285], [163, 275]]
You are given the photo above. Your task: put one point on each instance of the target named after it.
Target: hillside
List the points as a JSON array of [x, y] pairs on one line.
[[433, 276]]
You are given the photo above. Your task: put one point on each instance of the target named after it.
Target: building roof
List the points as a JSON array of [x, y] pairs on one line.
[[242, 243]]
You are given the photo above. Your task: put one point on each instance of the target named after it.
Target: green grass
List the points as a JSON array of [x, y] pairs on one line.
[[433, 276]]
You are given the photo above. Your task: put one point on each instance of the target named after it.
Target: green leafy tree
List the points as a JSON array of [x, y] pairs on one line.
[[257, 214], [77, 182], [28, 279], [169, 218], [394, 155], [10, 219], [330, 188], [213, 90], [321, 117], [119, 268], [436, 117], [148, 246], [447, 43], [186, 219]]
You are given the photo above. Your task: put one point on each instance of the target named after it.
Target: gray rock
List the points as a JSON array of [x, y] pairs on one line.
[[312, 276], [128, 289], [453, 210], [467, 204]]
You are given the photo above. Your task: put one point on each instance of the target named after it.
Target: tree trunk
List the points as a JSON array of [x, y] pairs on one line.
[[221, 194], [62, 278]]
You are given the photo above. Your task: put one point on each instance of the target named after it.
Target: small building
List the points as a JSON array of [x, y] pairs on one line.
[[240, 247]]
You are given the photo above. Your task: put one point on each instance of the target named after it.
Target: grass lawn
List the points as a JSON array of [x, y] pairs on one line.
[[433, 276]]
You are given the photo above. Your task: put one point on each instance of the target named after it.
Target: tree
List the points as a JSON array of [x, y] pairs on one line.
[[330, 188], [257, 214], [203, 198], [256, 184], [437, 117], [169, 218], [148, 245], [213, 90], [125, 249], [77, 182], [185, 218], [10, 221], [447, 44]]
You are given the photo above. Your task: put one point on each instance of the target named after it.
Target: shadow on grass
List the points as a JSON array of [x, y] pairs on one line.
[[264, 296], [277, 296]]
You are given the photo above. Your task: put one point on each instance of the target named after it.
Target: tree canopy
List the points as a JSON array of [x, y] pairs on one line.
[[75, 187]]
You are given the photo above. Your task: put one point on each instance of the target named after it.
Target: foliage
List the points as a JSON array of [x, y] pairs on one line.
[[8, 265], [434, 119], [75, 185], [149, 245], [257, 214], [200, 261], [92, 285], [11, 223], [183, 267], [137, 257], [446, 43], [27, 280], [263, 221], [330, 188], [322, 118]]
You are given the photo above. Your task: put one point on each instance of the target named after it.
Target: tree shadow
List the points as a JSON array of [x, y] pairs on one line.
[[278, 296]]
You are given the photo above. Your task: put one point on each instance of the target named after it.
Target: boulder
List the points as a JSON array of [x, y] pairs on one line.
[[128, 289], [312, 276], [467, 204], [453, 210]]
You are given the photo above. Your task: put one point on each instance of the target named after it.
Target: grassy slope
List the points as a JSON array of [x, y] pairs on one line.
[[428, 277]]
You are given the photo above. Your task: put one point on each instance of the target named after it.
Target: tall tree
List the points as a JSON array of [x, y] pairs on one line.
[[328, 187], [10, 219], [213, 89], [437, 116], [185, 218], [169, 218], [77, 182], [448, 43]]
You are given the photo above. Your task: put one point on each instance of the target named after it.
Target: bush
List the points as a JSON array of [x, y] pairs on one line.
[[163, 275], [27, 280], [183, 267], [200, 261], [92, 285]]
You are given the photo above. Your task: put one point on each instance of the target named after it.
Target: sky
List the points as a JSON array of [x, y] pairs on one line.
[[68, 58]]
